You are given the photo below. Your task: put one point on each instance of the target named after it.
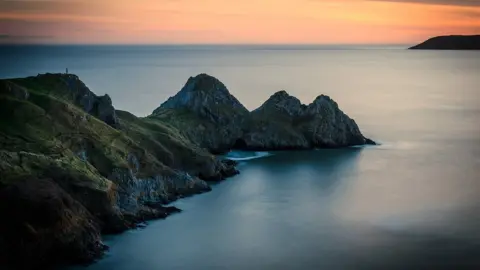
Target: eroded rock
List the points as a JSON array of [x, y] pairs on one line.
[[210, 116]]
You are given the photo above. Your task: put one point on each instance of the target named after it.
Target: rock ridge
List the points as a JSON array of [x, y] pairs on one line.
[[281, 122]]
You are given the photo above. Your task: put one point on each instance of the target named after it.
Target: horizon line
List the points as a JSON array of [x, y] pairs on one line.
[[210, 44]]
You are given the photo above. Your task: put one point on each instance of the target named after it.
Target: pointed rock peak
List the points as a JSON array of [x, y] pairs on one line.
[[281, 101], [206, 96], [205, 83], [322, 99], [281, 93], [281, 97]]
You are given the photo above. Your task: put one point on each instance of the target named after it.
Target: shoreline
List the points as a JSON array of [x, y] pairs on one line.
[[79, 169]]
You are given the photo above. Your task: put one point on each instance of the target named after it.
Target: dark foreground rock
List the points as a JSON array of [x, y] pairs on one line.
[[450, 43], [43, 225]]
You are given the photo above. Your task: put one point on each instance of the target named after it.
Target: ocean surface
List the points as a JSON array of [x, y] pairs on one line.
[[412, 202]]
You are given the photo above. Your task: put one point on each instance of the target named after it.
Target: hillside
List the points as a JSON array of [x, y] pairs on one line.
[[72, 168]]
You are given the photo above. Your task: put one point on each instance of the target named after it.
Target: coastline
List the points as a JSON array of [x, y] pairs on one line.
[[95, 170]]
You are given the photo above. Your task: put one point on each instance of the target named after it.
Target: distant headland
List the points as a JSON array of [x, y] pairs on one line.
[[454, 42]]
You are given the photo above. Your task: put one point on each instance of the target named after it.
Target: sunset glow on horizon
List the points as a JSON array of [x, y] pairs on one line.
[[235, 22]]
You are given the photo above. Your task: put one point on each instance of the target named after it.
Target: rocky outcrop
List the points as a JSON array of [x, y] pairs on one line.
[[282, 103], [206, 113], [328, 126], [454, 42], [282, 122], [70, 88], [99, 106]]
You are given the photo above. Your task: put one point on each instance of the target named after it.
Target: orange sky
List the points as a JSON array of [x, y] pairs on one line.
[[232, 21]]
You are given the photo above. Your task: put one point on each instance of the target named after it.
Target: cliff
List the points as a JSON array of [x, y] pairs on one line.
[[450, 43], [72, 168], [205, 112]]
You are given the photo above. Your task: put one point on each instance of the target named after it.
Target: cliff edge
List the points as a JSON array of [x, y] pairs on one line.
[[72, 167]]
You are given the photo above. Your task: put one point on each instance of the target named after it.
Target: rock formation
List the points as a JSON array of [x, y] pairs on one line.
[[209, 115], [282, 122], [450, 43], [70, 88], [206, 112], [70, 176], [73, 167]]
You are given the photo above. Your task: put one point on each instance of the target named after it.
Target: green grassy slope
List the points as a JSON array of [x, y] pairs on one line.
[[45, 134]]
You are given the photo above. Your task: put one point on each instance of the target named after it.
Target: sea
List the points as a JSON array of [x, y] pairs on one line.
[[412, 202]]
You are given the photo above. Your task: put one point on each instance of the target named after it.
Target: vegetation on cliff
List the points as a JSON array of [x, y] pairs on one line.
[[68, 151], [72, 167]]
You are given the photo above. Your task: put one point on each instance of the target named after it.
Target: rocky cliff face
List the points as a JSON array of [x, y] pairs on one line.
[[70, 176], [328, 126], [68, 87], [281, 103], [209, 115], [206, 112], [209, 98], [282, 122], [72, 167]]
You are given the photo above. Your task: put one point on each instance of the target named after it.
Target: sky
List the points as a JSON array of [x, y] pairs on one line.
[[235, 21]]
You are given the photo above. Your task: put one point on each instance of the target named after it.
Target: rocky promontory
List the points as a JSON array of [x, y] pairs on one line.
[[74, 168], [454, 42], [206, 113]]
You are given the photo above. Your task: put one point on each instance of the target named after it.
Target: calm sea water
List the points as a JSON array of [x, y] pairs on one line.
[[411, 203]]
